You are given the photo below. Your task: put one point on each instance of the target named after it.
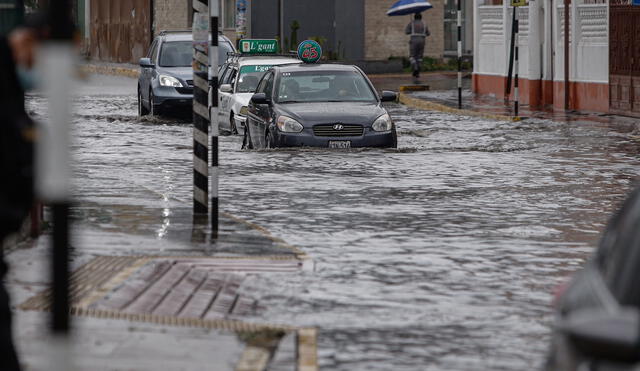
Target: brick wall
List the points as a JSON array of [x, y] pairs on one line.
[[384, 35], [171, 15]]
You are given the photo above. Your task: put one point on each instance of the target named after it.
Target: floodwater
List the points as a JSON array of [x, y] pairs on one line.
[[441, 255]]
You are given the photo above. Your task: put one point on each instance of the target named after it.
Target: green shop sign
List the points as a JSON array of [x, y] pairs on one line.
[[252, 69], [254, 46]]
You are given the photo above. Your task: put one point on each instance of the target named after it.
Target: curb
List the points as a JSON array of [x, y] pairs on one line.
[[421, 87], [431, 106], [110, 70]]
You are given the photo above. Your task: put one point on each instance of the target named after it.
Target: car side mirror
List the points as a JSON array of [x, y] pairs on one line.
[[226, 88], [146, 63], [388, 96], [259, 98], [604, 335]]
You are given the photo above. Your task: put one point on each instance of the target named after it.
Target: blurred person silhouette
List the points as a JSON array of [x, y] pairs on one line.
[[17, 75], [418, 32]]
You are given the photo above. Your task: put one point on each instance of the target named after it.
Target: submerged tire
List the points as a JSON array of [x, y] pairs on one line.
[[142, 110]]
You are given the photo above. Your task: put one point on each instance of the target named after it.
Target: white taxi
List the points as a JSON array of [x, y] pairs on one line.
[[239, 79]]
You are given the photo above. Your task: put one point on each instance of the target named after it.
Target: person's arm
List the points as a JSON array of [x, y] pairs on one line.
[[426, 30], [407, 30]]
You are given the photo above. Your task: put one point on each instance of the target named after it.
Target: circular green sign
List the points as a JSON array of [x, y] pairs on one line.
[[309, 51]]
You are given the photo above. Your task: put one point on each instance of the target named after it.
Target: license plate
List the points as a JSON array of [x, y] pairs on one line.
[[339, 144]]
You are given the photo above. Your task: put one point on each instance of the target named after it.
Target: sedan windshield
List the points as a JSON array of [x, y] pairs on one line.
[[180, 53], [323, 86], [250, 77]]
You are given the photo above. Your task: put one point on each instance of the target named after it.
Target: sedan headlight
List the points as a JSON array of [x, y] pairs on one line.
[[244, 110], [170, 81], [288, 125], [382, 123]]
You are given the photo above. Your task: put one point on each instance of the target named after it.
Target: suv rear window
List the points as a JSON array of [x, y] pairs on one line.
[[176, 54], [180, 53]]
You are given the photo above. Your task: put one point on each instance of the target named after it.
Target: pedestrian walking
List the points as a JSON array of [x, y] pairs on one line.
[[418, 32], [16, 160]]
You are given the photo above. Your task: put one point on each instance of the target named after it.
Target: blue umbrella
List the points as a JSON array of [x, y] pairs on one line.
[[404, 7]]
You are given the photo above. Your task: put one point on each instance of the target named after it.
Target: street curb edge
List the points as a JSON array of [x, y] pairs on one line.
[[110, 70], [432, 106]]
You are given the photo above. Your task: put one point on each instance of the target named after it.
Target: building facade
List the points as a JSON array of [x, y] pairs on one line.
[[542, 53], [354, 30], [360, 29]]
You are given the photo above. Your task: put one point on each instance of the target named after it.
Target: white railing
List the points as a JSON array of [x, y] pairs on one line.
[[589, 43], [523, 28], [592, 19], [491, 24]]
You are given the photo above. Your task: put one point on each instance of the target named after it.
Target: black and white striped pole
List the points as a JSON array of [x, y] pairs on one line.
[[459, 53], [213, 104], [55, 61], [200, 107], [515, 64]]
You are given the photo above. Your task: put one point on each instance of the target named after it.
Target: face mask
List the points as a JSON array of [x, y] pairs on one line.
[[27, 78]]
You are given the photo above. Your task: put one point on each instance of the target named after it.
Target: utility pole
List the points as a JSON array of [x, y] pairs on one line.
[[566, 54], [213, 111], [53, 169], [281, 24], [200, 107], [516, 90], [459, 53]]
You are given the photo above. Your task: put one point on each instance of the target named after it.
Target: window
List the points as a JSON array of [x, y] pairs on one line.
[[249, 77], [324, 86], [224, 47], [266, 85], [152, 51], [268, 89], [225, 76], [176, 54]]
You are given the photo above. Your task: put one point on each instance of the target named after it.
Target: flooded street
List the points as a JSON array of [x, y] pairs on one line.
[[441, 255]]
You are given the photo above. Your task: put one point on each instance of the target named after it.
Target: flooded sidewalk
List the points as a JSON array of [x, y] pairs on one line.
[[143, 296], [150, 288]]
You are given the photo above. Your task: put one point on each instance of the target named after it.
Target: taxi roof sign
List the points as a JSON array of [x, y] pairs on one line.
[[309, 51], [259, 46]]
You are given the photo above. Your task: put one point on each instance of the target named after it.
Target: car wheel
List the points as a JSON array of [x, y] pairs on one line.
[[246, 139], [232, 126], [270, 141], [395, 138], [152, 108], [142, 111]]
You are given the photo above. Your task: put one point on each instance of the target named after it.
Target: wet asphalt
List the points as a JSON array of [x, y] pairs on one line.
[[440, 255]]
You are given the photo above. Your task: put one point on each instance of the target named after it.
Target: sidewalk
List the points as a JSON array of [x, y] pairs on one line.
[[107, 68], [173, 304], [440, 80]]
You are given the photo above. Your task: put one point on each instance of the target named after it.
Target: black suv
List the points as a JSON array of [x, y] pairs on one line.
[[166, 76]]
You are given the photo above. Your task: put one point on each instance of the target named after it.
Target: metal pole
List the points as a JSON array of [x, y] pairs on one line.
[[53, 170], [507, 88], [459, 53], [200, 107], [280, 25], [516, 91], [60, 49], [566, 54], [213, 104]]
